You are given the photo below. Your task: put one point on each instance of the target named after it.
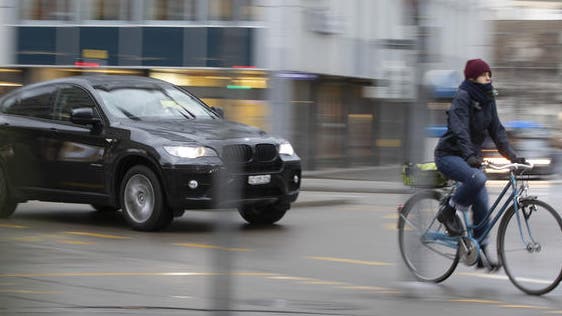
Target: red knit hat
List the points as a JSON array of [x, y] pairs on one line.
[[475, 67]]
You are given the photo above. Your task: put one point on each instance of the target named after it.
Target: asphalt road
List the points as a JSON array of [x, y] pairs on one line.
[[333, 254]]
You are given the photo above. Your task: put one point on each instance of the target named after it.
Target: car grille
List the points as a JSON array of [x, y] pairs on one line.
[[251, 159], [237, 153]]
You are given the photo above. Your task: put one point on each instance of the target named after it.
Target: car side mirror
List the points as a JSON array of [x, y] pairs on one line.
[[218, 110], [84, 116]]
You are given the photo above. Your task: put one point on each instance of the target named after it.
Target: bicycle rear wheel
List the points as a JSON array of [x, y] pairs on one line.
[[425, 247], [530, 247]]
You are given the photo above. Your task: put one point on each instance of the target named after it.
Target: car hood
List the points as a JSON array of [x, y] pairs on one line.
[[197, 131]]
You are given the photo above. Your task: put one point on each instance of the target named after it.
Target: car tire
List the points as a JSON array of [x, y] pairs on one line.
[[263, 214], [142, 200], [7, 205], [104, 208]]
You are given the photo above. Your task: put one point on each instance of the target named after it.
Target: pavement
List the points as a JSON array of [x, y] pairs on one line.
[[385, 179], [316, 185]]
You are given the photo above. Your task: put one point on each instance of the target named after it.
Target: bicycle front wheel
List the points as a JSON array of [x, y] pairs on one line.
[[530, 247], [425, 247]]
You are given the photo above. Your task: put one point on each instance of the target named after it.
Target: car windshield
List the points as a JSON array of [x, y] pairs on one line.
[[162, 103]]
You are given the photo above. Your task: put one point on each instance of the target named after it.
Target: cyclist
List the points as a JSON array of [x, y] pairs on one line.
[[471, 117]]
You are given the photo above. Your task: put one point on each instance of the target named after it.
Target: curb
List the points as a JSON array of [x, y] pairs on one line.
[[354, 186], [321, 203]]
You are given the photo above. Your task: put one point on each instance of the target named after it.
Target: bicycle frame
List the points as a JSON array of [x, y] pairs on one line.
[[441, 238]]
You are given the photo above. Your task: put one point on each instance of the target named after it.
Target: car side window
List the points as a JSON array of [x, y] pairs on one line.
[[32, 103], [69, 98]]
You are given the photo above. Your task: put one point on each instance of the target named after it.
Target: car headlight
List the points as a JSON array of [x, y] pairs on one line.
[[286, 149], [190, 151]]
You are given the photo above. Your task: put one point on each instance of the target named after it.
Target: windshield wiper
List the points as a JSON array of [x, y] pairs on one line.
[[128, 114], [183, 107]]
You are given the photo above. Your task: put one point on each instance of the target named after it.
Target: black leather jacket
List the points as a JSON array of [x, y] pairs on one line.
[[469, 122]]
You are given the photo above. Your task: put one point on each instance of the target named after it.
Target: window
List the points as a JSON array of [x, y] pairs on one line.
[[46, 10], [69, 98], [32, 103], [248, 11], [110, 10], [174, 10], [220, 10]]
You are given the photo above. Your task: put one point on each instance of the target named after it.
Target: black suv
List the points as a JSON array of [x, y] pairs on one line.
[[141, 145]]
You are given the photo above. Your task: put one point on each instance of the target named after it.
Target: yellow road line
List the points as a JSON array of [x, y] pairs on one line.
[[352, 261], [364, 288], [207, 246], [75, 242], [474, 300], [523, 306], [106, 236], [4, 225]]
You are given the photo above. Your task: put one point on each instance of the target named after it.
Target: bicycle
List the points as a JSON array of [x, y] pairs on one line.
[[529, 238]]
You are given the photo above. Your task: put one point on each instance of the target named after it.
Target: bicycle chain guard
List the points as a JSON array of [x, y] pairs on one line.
[[468, 251]]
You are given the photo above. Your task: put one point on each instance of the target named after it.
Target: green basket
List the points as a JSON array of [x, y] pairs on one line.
[[423, 175]]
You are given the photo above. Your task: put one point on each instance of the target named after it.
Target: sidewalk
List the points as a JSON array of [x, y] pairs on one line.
[[384, 179]]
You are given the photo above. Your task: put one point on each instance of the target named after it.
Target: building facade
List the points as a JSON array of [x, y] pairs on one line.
[[336, 78]]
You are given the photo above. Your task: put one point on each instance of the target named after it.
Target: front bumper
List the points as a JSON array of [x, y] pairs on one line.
[[218, 187]]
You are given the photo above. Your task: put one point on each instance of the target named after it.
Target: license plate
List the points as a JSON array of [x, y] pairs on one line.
[[261, 179]]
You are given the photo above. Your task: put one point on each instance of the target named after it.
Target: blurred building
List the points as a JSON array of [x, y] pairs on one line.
[[336, 78]]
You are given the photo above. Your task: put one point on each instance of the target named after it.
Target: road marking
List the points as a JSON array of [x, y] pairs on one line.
[[113, 274], [106, 236], [554, 312], [391, 226], [29, 292], [75, 242], [523, 306], [4, 225], [503, 277], [391, 216], [365, 288], [474, 300], [207, 246], [352, 261]]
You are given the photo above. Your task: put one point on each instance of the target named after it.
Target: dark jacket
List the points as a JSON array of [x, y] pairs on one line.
[[469, 122]]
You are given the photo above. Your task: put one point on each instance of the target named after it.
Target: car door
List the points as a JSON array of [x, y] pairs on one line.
[[26, 137], [79, 160]]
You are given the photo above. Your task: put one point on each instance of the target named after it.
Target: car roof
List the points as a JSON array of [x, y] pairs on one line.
[[108, 82]]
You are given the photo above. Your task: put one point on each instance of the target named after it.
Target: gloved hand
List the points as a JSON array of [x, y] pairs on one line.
[[474, 162], [520, 160]]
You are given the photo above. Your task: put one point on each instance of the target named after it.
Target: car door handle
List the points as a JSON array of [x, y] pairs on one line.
[[53, 129]]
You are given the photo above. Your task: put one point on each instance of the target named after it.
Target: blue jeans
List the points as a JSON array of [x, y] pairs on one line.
[[470, 191]]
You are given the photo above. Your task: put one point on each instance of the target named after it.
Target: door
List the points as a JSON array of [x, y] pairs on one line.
[[78, 164], [25, 137]]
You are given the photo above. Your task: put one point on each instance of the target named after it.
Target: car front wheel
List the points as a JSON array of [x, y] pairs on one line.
[[7, 205], [142, 200], [263, 214]]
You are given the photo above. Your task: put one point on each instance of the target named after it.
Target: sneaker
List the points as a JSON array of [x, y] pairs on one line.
[[447, 216], [492, 266]]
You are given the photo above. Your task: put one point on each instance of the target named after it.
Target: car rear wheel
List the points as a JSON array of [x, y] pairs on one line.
[[263, 214], [7, 205], [142, 200]]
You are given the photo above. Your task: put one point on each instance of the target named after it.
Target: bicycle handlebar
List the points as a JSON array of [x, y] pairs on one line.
[[513, 165]]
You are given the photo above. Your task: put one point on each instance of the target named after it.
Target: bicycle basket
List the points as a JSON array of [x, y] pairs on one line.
[[423, 175]]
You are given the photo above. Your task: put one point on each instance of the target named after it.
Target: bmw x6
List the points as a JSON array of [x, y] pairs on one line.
[[142, 145]]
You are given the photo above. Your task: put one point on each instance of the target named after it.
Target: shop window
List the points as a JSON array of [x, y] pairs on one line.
[[248, 10], [110, 10], [46, 10], [170, 10], [221, 10]]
